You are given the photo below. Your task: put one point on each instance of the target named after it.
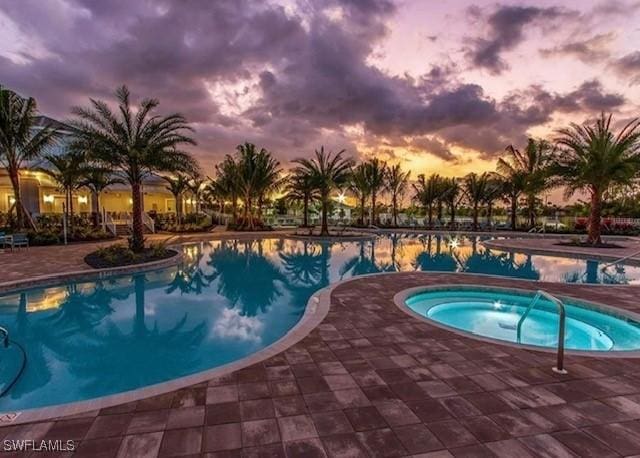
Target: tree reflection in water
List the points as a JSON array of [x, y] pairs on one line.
[[306, 270], [245, 276], [148, 349], [438, 260]]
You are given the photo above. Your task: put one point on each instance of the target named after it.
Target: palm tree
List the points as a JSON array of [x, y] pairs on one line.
[[67, 171], [451, 195], [97, 178], [136, 143], [258, 173], [592, 158], [359, 186], [428, 191], [197, 185], [494, 190], [375, 172], [396, 185], [515, 179], [177, 186], [300, 189], [328, 171], [225, 185], [475, 189], [19, 144], [533, 165]]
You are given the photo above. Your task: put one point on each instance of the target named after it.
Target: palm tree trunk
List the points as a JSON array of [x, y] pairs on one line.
[[531, 200], [362, 204], [234, 209], [95, 208], [178, 198], [249, 220], [324, 230], [372, 216], [305, 211], [137, 236], [69, 209], [430, 216], [595, 228], [475, 216], [514, 210], [14, 176], [394, 202], [489, 213], [452, 209]]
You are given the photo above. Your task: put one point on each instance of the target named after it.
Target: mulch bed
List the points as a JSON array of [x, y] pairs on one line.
[[97, 261]]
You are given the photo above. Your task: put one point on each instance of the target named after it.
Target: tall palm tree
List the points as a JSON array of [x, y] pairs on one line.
[[328, 171], [475, 189], [451, 195], [494, 190], [375, 172], [396, 184], [197, 185], [19, 144], [359, 186], [258, 173], [533, 164], [67, 171], [515, 179], [177, 186], [137, 143], [592, 158], [225, 185], [97, 178], [428, 191], [300, 188]]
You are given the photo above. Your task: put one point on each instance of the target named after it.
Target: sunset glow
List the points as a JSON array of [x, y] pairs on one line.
[[437, 87]]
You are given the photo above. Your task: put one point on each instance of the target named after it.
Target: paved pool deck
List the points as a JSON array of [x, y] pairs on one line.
[[372, 381]]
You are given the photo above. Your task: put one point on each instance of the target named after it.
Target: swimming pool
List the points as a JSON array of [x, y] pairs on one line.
[[226, 300], [500, 314]]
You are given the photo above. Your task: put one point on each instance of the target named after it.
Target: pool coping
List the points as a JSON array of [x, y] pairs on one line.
[[315, 312], [399, 299]]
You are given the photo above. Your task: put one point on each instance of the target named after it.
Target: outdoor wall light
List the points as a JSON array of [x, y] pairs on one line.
[[48, 198]]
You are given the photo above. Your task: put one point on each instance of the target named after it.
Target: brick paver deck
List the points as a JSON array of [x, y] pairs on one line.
[[374, 381]]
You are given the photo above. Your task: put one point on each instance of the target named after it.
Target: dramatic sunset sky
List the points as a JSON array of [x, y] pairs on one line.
[[439, 86]]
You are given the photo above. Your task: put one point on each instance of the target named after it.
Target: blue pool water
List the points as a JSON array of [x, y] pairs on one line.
[[495, 314], [226, 300]]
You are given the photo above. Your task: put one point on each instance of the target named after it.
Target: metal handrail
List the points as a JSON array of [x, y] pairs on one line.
[[561, 325], [110, 223], [149, 222]]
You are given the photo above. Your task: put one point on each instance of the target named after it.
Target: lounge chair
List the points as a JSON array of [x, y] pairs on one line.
[[19, 241], [5, 240]]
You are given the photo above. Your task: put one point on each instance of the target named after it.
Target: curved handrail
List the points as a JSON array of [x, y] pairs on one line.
[[5, 341], [561, 325]]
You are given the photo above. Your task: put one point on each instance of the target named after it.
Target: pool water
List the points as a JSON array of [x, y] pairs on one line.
[[225, 301], [496, 314]]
